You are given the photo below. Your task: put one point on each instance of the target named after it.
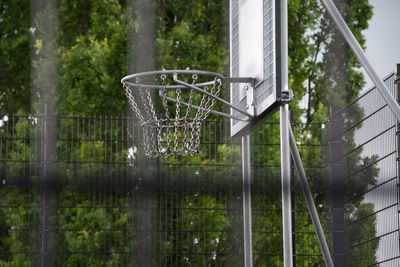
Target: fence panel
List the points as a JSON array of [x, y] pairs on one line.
[[104, 203], [364, 181]]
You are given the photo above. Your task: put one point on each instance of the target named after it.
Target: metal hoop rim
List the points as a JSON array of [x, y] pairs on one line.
[[126, 79], [198, 87]]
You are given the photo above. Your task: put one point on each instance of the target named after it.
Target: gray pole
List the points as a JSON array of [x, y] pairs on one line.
[[397, 82], [310, 203], [248, 246], [286, 187], [285, 151], [355, 46]]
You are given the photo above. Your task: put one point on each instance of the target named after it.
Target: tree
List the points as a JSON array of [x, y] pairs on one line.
[[322, 68], [15, 71], [92, 58]]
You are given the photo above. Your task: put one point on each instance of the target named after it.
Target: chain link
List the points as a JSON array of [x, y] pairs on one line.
[[167, 135], [131, 99], [185, 143]]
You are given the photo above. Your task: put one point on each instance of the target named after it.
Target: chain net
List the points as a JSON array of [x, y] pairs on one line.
[[171, 126]]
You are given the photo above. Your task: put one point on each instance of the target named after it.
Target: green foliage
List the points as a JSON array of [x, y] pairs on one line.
[[201, 210], [17, 219], [15, 50], [321, 66], [74, 20], [323, 70], [93, 229], [19, 150], [192, 35], [91, 66], [363, 228]]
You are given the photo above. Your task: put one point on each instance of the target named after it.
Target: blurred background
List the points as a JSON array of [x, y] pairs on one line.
[[76, 189]]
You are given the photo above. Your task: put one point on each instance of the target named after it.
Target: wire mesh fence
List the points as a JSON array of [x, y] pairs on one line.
[[102, 203], [364, 181], [76, 191]]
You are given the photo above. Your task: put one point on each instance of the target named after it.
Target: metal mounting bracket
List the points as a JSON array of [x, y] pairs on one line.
[[250, 100], [249, 93], [249, 80], [287, 96]]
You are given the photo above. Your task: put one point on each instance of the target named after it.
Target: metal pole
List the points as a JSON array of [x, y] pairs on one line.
[[247, 221], [310, 203], [397, 82], [285, 151], [286, 187], [46, 162], [355, 46]]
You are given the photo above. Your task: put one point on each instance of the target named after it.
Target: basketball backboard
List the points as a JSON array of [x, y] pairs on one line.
[[255, 52]]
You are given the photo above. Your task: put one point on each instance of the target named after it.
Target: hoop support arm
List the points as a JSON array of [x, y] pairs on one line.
[[211, 111], [212, 96], [173, 87], [239, 80]]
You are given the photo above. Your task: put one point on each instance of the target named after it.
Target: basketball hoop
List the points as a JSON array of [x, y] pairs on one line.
[[172, 121]]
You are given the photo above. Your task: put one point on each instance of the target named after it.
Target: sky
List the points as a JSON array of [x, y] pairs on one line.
[[383, 37]]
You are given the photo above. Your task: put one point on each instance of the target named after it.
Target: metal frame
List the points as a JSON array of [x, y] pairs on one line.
[[247, 218], [285, 149], [197, 87], [191, 86], [286, 187]]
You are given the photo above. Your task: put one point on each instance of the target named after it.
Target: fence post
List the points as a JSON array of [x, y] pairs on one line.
[[291, 118], [247, 219], [337, 174], [46, 163], [397, 93]]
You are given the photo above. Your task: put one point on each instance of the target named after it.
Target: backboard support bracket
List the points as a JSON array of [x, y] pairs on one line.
[[250, 107], [287, 96]]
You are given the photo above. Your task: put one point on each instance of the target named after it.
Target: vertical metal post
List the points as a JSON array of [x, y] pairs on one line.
[[285, 151], [397, 90], [247, 221], [46, 163], [286, 187]]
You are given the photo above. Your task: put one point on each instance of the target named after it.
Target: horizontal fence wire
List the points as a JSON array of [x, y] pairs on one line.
[[364, 175], [266, 188], [108, 204]]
